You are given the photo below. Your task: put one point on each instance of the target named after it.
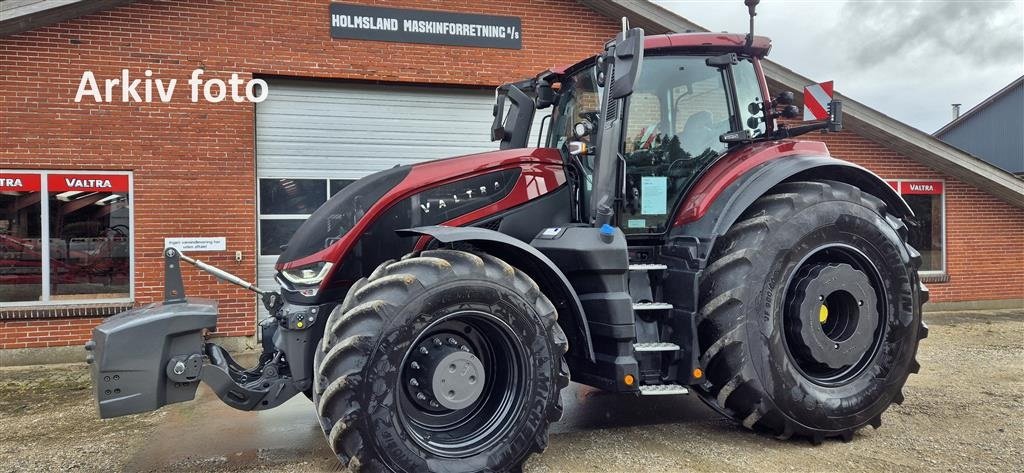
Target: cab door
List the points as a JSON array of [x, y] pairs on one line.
[[677, 113]]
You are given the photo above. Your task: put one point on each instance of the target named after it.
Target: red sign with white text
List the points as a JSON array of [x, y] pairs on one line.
[[19, 182], [921, 187], [87, 182]]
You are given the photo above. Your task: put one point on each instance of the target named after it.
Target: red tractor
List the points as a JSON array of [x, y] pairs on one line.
[[670, 236]]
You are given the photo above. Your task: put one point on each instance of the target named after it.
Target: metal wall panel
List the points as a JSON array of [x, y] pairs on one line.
[[995, 133], [325, 129]]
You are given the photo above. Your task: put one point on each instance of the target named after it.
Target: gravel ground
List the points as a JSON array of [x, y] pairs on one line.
[[963, 413]]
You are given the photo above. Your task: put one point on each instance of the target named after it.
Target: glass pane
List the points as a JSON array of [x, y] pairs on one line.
[[927, 237], [580, 96], [21, 267], [291, 196], [274, 233], [89, 240], [339, 184], [676, 115], [748, 91]]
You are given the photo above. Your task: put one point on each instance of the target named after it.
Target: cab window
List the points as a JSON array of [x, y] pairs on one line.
[[678, 111], [748, 92], [581, 98]]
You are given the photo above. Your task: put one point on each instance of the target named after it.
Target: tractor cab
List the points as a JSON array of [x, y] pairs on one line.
[[679, 103], [694, 88]]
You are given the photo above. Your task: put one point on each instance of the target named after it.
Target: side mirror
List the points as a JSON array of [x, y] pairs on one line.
[[627, 54], [514, 130], [790, 111], [545, 94]]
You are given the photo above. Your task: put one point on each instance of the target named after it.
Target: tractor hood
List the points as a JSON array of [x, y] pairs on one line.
[[331, 230], [341, 213]]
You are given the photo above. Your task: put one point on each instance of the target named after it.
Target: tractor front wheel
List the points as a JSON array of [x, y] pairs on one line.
[[443, 361], [810, 313]]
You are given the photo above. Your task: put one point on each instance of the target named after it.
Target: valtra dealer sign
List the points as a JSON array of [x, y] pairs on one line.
[[87, 182], [425, 26]]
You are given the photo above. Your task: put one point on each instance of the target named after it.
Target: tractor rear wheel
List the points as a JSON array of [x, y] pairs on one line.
[[810, 313], [442, 361]]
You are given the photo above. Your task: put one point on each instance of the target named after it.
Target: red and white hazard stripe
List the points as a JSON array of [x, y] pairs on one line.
[[816, 100]]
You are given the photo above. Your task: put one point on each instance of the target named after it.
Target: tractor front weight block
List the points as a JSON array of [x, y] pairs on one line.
[[155, 355], [149, 357]]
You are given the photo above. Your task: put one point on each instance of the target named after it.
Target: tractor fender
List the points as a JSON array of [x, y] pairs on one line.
[[756, 182], [551, 280]]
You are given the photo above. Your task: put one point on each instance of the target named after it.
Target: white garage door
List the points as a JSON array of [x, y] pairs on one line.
[[312, 138]]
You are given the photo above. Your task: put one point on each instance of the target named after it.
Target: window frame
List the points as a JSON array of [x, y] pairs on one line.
[[896, 185], [44, 190]]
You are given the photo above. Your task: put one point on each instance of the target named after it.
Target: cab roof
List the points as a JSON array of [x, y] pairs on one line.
[[691, 42], [716, 42]]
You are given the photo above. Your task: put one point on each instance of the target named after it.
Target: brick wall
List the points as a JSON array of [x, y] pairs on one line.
[[984, 235], [193, 163]]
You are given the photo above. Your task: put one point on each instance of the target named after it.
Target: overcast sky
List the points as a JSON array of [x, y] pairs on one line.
[[909, 59]]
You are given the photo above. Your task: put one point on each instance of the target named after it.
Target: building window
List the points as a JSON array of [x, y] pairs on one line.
[[928, 201], [65, 237], [287, 202]]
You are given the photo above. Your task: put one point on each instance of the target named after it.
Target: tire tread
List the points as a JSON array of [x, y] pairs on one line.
[[357, 323], [732, 387]]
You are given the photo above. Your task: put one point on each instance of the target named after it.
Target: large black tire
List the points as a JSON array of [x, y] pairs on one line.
[[361, 393], [759, 370]]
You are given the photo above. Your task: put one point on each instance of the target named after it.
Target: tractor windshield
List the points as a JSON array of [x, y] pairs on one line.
[[677, 112]]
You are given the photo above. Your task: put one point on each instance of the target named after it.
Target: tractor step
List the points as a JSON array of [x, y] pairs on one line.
[[647, 267], [656, 346], [663, 390], [651, 306]]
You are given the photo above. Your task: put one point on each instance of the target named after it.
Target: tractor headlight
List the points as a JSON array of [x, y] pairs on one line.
[[307, 275]]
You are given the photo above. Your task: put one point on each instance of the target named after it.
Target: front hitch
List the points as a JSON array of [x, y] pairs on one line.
[[155, 355]]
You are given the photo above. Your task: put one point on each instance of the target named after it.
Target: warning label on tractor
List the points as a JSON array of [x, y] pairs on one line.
[[425, 26]]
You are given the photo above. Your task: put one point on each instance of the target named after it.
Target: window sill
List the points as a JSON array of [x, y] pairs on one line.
[[933, 277], [63, 311]]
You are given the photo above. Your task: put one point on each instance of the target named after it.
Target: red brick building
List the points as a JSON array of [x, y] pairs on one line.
[[106, 183]]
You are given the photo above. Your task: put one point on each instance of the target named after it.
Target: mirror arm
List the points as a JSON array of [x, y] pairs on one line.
[[833, 124]]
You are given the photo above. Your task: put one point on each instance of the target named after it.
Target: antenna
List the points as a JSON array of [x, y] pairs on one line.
[[751, 5]]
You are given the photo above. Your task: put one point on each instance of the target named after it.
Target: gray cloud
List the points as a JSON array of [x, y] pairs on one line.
[[976, 33], [908, 59]]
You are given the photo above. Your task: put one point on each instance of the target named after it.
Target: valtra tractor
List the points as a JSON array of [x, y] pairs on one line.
[[670, 236]]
